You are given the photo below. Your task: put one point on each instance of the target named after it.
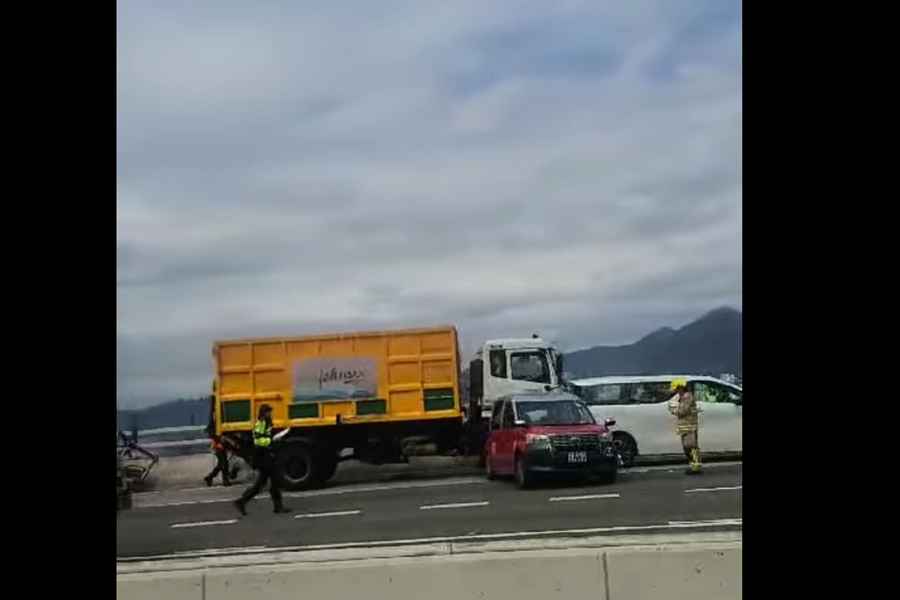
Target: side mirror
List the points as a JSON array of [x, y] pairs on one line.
[[610, 422]]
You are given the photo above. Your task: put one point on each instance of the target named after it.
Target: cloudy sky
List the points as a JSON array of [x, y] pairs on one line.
[[567, 167]]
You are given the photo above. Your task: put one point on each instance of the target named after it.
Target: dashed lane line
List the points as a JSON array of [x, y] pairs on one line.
[[454, 505], [585, 497], [203, 523], [338, 513], [713, 489]]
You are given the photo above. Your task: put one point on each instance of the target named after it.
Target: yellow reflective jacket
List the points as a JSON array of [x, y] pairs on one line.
[[262, 434]]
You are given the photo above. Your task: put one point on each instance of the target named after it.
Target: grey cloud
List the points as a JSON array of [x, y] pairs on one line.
[[572, 168]]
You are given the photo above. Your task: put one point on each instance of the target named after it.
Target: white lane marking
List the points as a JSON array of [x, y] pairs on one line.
[[204, 523], [228, 550], [707, 523], [713, 489], [454, 505], [586, 497], [333, 492], [339, 513], [459, 538]]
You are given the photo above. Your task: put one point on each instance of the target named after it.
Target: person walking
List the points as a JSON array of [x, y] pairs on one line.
[[264, 462], [684, 407], [218, 447]]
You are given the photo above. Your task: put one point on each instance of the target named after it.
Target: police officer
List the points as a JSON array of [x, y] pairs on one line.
[[264, 461], [684, 407]]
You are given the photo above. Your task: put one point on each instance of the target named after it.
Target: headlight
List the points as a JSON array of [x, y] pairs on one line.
[[537, 441]]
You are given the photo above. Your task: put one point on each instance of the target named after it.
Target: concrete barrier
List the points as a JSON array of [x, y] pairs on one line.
[[701, 571], [706, 572]]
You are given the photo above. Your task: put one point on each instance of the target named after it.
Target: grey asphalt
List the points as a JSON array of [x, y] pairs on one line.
[[392, 511]]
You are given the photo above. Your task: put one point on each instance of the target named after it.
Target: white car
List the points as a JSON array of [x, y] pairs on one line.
[[644, 424]]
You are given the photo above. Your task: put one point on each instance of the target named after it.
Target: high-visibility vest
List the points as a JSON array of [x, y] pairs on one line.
[[262, 434]]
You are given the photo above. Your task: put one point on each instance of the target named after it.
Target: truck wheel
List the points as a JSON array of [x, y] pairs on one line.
[[297, 470]]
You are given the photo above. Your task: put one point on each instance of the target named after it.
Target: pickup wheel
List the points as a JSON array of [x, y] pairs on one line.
[[626, 447], [523, 479], [489, 469]]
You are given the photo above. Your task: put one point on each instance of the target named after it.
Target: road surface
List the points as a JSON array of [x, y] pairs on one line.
[[650, 499]]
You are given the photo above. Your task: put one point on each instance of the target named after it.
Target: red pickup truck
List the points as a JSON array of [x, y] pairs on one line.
[[535, 435]]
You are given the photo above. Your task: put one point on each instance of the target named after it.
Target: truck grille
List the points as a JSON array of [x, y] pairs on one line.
[[576, 442]]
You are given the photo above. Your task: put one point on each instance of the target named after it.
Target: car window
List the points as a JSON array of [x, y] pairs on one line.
[[498, 363], [554, 412], [509, 420], [649, 392], [610, 393], [529, 366], [715, 393]]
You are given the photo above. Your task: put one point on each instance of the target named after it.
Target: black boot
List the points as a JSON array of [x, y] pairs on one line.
[[239, 504], [208, 481], [281, 509]]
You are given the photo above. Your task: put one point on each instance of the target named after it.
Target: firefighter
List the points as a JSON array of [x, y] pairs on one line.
[[685, 408], [264, 462], [218, 447]]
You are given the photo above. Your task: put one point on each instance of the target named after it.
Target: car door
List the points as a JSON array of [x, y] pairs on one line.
[[647, 413], [720, 417], [506, 445], [495, 438]]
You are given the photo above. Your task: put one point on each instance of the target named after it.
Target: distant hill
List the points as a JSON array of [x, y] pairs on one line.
[[710, 345], [177, 413]]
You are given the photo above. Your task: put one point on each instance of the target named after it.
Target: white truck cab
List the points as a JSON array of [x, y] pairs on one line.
[[509, 366]]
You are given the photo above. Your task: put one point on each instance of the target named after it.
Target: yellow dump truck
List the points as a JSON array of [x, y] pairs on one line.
[[386, 395]]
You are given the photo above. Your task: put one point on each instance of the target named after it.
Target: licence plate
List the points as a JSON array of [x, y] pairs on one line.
[[577, 457]]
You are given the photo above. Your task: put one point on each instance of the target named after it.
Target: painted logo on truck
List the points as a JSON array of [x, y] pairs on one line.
[[334, 379]]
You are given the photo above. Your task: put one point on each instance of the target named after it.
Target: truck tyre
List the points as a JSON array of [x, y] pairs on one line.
[[297, 469]]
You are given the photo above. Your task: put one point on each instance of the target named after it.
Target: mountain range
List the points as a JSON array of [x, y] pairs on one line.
[[711, 345]]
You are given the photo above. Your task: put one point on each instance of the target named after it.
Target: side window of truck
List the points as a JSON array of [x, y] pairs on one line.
[[498, 363], [530, 366]]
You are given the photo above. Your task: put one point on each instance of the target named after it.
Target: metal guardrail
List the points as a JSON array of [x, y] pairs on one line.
[[177, 443], [171, 430]]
